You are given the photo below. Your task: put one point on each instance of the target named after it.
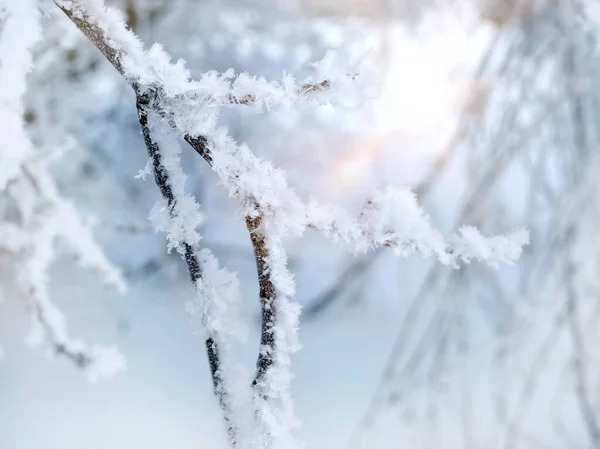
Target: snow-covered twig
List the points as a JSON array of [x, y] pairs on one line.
[[267, 298], [187, 248], [392, 218], [34, 217], [53, 219]]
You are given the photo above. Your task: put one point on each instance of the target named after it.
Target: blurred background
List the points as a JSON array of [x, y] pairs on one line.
[[489, 110]]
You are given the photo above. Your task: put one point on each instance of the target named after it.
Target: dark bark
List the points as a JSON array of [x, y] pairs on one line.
[[161, 177], [267, 297]]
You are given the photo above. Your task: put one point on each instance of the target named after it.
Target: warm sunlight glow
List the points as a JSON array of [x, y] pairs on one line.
[[426, 85], [418, 94]]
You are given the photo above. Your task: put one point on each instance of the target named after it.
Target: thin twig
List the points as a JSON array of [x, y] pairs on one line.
[[578, 359], [162, 180], [326, 298], [267, 297], [79, 357]]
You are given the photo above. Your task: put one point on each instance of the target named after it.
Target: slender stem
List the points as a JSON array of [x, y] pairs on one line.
[[161, 178], [267, 297], [60, 347], [582, 392], [96, 37]]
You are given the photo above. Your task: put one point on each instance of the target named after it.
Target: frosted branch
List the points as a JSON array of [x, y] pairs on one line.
[[267, 299], [37, 216], [392, 218], [179, 216]]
